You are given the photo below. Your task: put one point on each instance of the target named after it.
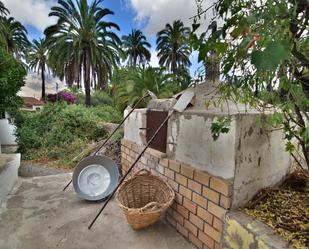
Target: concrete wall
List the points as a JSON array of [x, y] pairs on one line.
[[243, 232], [133, 124], [261, 160], [190, 141], [7, 131], [247, 156], [9, 164]]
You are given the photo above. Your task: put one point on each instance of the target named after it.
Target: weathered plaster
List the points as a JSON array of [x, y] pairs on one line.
[[133, 124], [190, 141], [261, 160], [243, 232]]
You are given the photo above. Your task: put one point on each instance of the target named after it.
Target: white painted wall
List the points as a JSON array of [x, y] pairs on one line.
[[261, 159], [7, 131], [132, 126], [190, 141], [247, 156]]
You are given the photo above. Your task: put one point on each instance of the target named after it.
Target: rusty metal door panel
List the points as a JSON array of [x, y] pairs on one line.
[[154, 119]]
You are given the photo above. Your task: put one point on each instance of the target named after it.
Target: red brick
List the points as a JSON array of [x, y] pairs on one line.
[[195, 241], [178, 217], [196, 221], [185, 192], [169, 173], [170, 211], [204, 215], [171, 220], [190, 227], [183, 211], [196, 187], [216, 210], [211, 232], [206, 240], [211, 195], [126, 143], [181, 179], [164, 162], [182, 230], [187, 171], [191, 206], [174, 165], [156, 154], [178, 198], [173, 184], [200, 200], [225, 201], [217, 224], [220, 186], [201, 177]]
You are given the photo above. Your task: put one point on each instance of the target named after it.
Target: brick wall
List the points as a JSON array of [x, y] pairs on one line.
[[201, 199]]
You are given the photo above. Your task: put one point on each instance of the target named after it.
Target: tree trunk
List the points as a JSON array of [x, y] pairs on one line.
[[43, 81], [87, 80]]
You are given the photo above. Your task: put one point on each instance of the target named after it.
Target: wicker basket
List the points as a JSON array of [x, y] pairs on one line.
[[143, 199]]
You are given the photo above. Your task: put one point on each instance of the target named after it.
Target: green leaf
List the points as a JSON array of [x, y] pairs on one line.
[[289, 147], [269, 59], [204, 49], [221, 47]]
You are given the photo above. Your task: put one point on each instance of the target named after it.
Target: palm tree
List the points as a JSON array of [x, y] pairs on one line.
[[3, 10], [129, 84], [37, 60], [82, 45], [172, 46], [136, 48], [14, 36]]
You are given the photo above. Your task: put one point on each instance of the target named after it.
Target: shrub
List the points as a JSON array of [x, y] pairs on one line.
[[61, 131], [62, 96]]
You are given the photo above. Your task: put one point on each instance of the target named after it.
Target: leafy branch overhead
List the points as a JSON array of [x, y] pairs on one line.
[[263, 48]]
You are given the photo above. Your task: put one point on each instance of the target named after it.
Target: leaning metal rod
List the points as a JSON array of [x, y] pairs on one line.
[[130, 169], [109, 137]]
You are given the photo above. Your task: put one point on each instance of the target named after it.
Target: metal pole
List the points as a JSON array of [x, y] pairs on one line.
[[109, 137], [130, 169]]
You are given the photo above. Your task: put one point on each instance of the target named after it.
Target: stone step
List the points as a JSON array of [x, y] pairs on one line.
[[9, 164]]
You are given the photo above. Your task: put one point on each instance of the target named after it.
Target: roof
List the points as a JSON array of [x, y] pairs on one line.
[[31, 101]]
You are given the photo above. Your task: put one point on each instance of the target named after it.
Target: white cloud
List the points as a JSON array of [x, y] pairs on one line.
[[154, 60], [33, 85], [31, 12], [159, 12]]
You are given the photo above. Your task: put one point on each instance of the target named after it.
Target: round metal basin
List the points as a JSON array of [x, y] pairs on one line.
[[95, 177]]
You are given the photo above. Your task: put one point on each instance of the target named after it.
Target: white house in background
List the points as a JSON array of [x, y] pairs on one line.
[[32, 104]]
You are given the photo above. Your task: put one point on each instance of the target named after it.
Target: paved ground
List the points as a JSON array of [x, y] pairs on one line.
[[38, 215]]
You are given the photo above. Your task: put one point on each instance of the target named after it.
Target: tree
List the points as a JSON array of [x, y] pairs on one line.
[[14, 36], [37, 60], [265, 61], [136, 48], [3, 10], [173, 47], [82, 43], [12, 76], [130, 84]]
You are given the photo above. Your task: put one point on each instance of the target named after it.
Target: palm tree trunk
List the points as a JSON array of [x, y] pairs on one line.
[[87, 80], [43, 81]]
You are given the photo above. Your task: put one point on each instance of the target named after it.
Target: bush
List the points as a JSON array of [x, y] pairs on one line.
[[61, 131], [98, 98], [62, 96], [12, 75]]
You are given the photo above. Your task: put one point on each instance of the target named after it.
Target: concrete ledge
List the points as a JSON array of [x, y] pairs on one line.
[[9, 164], [244, 232]]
